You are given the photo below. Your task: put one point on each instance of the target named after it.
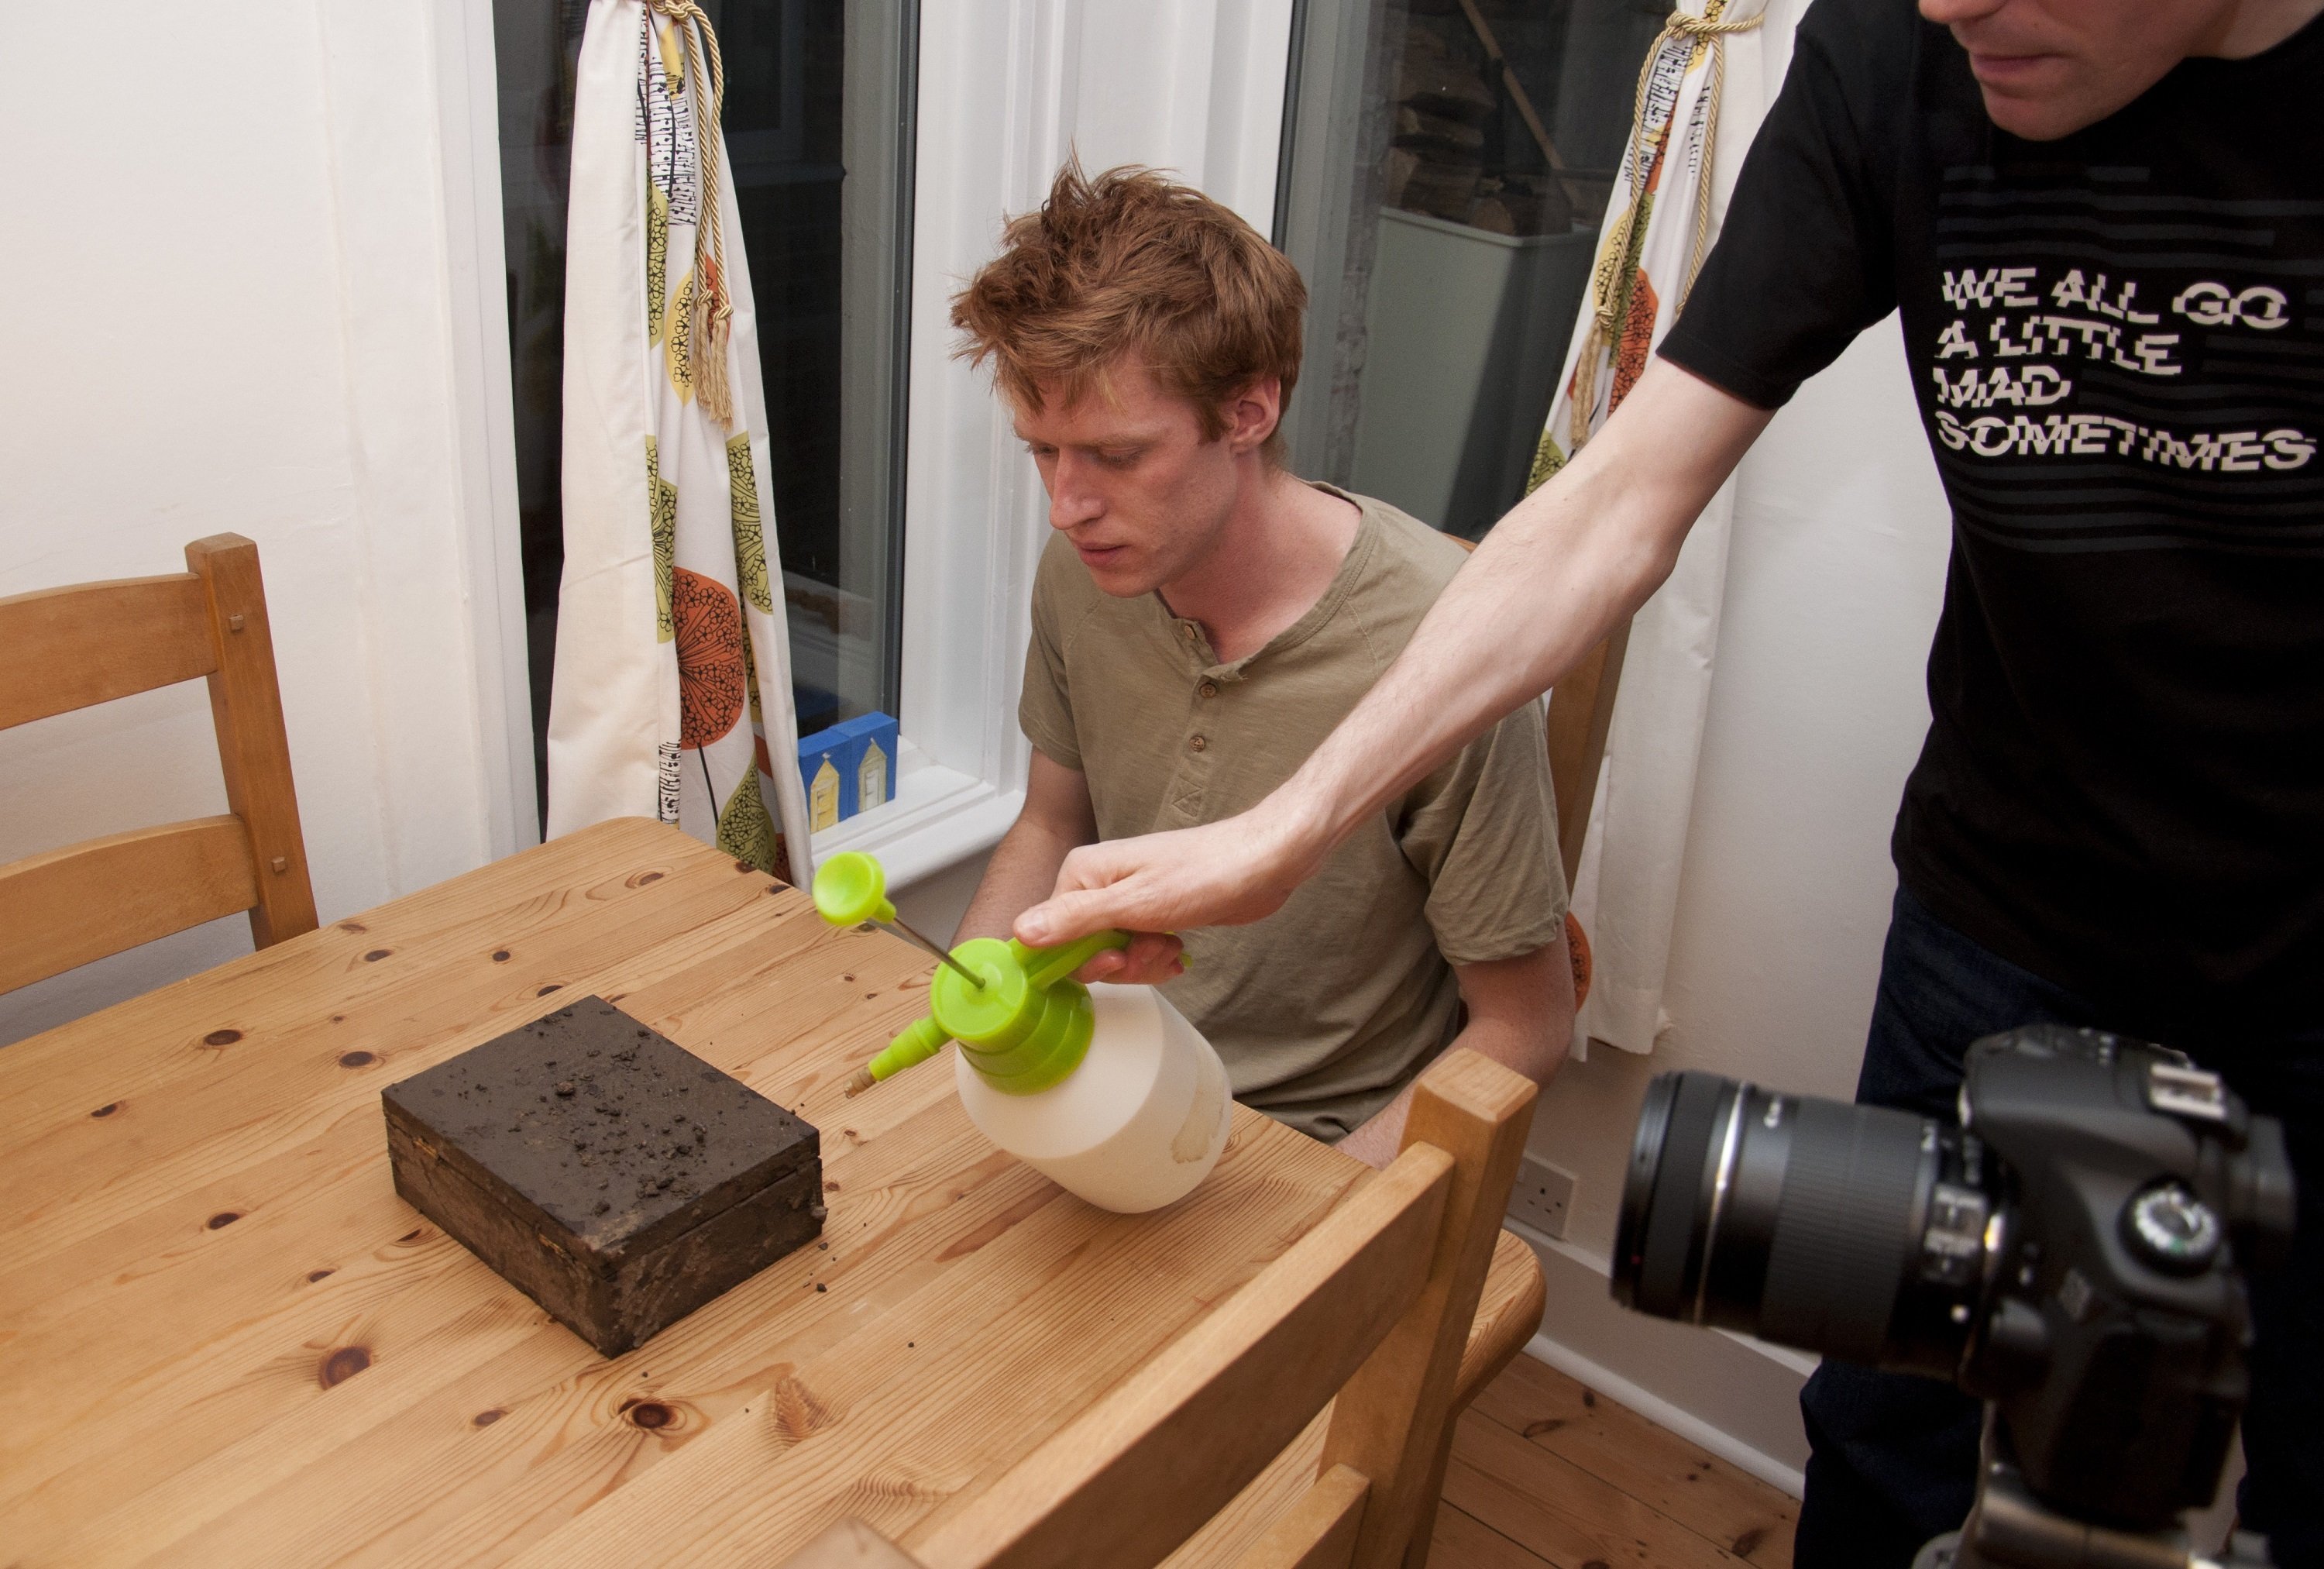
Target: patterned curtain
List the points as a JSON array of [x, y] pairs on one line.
[[673, 688], [1697, 111]]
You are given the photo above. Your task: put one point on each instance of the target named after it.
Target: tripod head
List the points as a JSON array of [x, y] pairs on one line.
[[2010, 1528]]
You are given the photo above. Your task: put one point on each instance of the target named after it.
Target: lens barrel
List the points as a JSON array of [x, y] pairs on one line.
[[1856, 1232]]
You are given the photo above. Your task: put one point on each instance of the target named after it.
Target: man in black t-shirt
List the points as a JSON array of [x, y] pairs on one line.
[[2101, 222]]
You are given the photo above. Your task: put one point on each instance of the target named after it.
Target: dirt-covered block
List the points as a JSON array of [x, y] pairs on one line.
[[607, 1173]]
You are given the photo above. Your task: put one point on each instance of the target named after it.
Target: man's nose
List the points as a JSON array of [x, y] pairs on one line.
[[1073, 500]]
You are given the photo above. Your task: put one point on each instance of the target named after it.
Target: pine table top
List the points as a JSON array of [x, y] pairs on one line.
[[224, 1340]]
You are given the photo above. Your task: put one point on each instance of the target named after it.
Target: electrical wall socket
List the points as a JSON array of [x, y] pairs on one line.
[[1542, 1197]]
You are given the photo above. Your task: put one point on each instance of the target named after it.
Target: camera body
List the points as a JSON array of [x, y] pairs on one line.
[[2071, 1252]]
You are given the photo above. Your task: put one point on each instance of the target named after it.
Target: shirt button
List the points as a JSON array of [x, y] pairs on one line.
[[1208, 689], [1196, 744]]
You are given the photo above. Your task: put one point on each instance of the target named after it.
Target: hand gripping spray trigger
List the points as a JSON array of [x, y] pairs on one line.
[[1105, 1090]]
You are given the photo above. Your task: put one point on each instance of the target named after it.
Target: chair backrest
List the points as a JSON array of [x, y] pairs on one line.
[[1371, 1306], [70, 648], [1581, 706]]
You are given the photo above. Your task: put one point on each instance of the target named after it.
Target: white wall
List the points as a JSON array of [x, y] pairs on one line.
[[266, 298]]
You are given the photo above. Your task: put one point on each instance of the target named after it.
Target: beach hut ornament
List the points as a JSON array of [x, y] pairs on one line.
[[823, 796], [849, 768]]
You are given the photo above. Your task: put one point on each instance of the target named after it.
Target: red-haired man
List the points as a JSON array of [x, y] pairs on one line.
[[1201, 619]]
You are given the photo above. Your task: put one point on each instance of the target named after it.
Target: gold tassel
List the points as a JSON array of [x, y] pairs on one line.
[[709, 323]]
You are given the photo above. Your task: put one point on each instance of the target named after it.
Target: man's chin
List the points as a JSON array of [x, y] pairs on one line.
[[1121, 579], [2043, 105]]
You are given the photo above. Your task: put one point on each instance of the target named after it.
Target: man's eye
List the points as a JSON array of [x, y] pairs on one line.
[[1123, 459]]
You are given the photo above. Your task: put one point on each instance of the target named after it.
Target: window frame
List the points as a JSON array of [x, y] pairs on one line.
[[1006, 104]]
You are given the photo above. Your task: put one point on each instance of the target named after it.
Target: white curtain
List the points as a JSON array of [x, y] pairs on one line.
[[1703, 91], [673, 690]]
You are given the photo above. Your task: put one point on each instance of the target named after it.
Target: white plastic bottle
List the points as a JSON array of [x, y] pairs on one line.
[[1137, 1125], [1105, 1090]]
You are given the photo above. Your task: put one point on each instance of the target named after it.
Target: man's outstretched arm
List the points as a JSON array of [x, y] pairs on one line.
[[1564, 567], [1057, 818]]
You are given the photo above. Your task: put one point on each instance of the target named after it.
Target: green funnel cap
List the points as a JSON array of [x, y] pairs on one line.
[[850, 888]]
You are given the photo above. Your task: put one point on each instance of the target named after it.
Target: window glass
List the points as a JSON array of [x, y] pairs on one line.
[[818, 118], [1447, 164]]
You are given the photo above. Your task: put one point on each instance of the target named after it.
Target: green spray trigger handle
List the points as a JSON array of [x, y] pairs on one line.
[[1020, 1020]]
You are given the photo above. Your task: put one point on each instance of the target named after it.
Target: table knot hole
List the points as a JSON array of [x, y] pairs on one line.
[[343, 1364]]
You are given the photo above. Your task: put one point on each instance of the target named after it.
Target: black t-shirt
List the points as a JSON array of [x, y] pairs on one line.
[[2116, 341]]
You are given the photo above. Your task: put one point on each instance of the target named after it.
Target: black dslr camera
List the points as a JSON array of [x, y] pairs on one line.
[[2071, 1254]]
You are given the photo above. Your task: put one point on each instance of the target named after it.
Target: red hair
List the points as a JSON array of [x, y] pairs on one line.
[[1132, 264]]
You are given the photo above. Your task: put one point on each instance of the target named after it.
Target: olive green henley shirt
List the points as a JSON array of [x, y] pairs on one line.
[[1324, 1010]]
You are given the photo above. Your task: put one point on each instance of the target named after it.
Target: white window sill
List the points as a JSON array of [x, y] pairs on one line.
[[940, 817]]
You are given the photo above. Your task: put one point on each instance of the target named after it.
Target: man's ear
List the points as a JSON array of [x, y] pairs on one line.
[[1252, 415]]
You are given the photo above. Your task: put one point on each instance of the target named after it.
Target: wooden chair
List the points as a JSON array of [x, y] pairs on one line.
[[1373, 1306], [70, 648]]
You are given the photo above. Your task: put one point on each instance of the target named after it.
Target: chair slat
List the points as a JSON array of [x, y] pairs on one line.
[[99, 897], [1508, 1314], [1130, 1480], [91, 643], [1319, 1531]]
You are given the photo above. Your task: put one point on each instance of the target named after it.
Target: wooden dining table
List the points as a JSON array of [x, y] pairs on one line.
[[223, 1338]]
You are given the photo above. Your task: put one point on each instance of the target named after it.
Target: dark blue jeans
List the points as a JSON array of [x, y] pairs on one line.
[[1893, 1458]]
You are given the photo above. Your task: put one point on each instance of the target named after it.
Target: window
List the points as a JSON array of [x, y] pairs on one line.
[[818, 122], [1446, 168]]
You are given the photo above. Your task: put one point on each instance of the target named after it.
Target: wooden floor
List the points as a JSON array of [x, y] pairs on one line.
[[1545, 1474]]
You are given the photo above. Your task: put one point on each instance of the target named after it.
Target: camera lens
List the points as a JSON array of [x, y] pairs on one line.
[[1856, 1232]]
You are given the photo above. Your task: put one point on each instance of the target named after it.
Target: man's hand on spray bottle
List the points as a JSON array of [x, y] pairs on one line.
[[993, 995], [1229, 872]]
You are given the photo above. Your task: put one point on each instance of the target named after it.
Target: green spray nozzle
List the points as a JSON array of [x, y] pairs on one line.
[[1022, 1019]]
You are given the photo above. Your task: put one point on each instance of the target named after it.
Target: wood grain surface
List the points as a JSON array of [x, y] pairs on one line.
[[223, 1339]]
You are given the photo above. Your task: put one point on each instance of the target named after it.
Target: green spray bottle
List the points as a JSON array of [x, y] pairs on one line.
[[1134, 1128]]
